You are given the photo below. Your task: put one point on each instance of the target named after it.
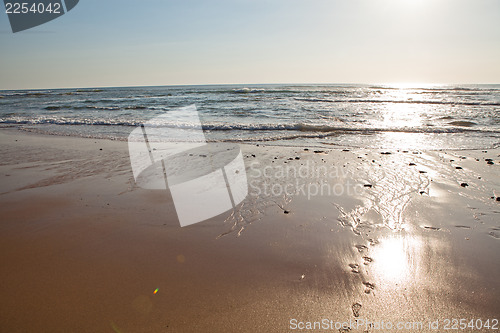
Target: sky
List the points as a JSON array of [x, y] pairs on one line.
[[174, 42]]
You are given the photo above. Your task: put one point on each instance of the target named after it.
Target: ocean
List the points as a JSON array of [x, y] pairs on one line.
[[373, 116]]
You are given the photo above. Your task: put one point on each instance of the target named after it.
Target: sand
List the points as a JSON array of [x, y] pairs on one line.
[[402, 237]]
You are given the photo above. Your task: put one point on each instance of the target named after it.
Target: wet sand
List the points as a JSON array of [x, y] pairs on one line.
[[402, 236]]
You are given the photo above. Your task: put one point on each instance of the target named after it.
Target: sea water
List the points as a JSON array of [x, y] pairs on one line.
[[372, 116]]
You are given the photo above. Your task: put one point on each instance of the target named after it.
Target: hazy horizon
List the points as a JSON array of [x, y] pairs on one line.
[[164, 43], [374, 84]]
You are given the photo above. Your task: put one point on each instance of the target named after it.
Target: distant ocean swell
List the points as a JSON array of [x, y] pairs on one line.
[[104, 108], [312, 100], [371, 101]]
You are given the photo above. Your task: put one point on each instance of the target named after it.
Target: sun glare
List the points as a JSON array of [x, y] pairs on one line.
[[411, 85], [395, 258]]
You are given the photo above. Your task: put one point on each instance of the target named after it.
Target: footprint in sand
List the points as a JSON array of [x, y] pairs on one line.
[[367, 260], [361, 248], [356, 307], [354, 268], [369, 287]]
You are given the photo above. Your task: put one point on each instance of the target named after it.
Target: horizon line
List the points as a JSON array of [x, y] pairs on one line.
[[391, 84]]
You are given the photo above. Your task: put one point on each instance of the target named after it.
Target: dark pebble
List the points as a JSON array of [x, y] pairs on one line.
[[498, 198], [345, 149], [386, 153], [432, 228], [253, 155], [286, 212], [421, 171], [203, 155], [368, 185], [458, 168], [464, 184], [297, 158], [100, 148], [305, 149], [411, 164], [318, 151], [490, 162]]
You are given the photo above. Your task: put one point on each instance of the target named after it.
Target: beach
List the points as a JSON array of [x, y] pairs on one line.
[[342, 234], [250, 166]]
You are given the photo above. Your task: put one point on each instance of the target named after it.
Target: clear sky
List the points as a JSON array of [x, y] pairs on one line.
[[163, 42]]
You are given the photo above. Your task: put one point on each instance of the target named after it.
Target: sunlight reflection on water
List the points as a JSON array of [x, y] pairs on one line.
[[396, 258]]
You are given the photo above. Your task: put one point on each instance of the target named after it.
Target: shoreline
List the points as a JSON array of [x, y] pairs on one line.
[[83, 248], [267, 142]]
